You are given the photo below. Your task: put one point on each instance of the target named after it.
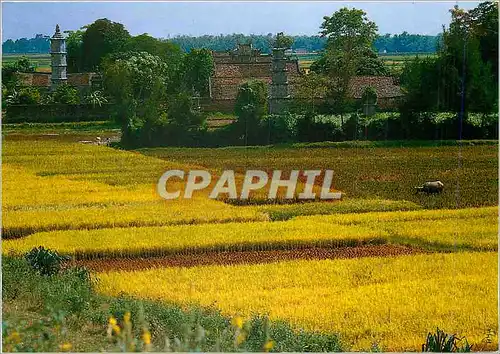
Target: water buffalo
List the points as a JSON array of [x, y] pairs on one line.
[[431, 187]]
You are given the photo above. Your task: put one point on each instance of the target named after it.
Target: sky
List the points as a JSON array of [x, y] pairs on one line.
[[163, 20]]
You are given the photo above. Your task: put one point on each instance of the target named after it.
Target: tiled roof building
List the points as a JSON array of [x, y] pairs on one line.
[[234, 67], [385, 86], [242, 64]]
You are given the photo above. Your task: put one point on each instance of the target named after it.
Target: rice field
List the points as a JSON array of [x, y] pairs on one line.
[[427, 229], [381, 266], [392, 61], [389, 173], [390, 301]]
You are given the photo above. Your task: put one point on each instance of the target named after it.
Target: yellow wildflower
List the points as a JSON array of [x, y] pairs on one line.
[[65, 347], [146, 337], [237, 322], [268, 345], [126, 317], [116, 329], [15, 337], [112, 321], [240, 338]]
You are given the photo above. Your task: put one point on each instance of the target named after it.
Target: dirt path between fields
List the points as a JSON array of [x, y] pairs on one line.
[[246, 257]]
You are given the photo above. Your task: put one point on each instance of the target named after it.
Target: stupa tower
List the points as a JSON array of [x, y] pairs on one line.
[[58, 59], [279, 82]]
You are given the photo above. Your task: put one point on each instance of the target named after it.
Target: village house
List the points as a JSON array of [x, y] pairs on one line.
[[234, 67]]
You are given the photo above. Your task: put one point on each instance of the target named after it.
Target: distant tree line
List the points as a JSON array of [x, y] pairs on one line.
[[398, 43], [38, 45], [406, 43]]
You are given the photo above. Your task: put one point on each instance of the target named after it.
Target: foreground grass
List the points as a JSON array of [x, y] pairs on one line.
[[393, 302], [28, 296]]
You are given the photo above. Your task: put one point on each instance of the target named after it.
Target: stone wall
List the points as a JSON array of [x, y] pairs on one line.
[[42, 80]]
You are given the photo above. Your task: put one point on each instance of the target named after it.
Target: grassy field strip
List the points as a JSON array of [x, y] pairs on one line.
[[196, 211], [475, 233], [478, 230], [381, 217], [73, 128], [473, 228], [149, 241], [288, 211], [394, 302], [104, 212], [359, 176]]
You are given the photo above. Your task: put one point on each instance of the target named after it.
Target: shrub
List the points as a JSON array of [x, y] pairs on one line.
[[41, 335], [65, 94], [441, 342], [353, 127], [26, 95], [382, 126], [29, 95], [44, 261], [96, 98], [280, 128], [313, 128]]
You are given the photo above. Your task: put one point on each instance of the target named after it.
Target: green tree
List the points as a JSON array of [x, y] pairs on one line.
[[462, 51], [118, 84], [143, 43], [101, 38], [197, 68], [137, 86], [459, 71], [250, 108], [74, 50], [24, 65], [370, 64], [350, 35], [149, 114], [183, 123], [310, 91], [282, 41], [482, 22]]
